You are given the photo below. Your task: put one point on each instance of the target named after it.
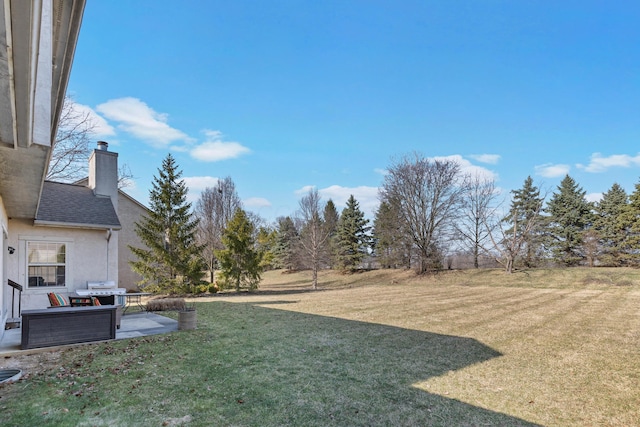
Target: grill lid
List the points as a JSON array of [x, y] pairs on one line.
[[108, 284]]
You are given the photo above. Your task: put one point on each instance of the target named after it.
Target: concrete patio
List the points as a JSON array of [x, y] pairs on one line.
[[132, 325]]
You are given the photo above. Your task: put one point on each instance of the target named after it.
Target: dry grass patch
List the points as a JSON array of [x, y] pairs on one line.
[[568, 338]]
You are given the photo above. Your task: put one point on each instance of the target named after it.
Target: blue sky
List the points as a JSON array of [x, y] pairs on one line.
[[284, 95]]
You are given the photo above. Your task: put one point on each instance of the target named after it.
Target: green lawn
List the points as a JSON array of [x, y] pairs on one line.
[[545, 347]]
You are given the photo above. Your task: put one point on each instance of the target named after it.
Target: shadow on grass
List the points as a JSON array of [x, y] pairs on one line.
[[316, 370], [251, 365]]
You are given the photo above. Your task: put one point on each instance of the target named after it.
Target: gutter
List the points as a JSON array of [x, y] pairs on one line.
[[41, 223]]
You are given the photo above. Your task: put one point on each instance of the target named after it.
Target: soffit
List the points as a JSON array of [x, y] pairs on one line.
[[23, 156]]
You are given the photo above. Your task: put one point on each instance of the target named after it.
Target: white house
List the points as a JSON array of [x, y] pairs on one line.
[[55, 237], [73, 238], [37, 44]]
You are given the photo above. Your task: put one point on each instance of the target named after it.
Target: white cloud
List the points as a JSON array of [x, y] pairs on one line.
[[99, 126], [468, 168], [599, 163], [382, 172], [200, 182], [256, 202], [593, 197], [215, 149], [304, 190], [549, 170], [197, 184], [140, 120], [491, 159]]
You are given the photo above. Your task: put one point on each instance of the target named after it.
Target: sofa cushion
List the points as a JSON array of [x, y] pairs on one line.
[[57, 300]]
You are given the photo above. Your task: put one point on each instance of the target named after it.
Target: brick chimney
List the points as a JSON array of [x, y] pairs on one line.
[[103, 173]]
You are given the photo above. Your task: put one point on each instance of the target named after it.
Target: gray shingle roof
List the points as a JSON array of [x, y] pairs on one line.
[[75, 206]]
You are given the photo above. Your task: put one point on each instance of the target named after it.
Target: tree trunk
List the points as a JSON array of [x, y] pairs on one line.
[[509, 265], [314, 278], [475, 257]]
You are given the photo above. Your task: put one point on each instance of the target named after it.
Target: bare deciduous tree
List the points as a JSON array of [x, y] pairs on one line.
[[70, 152], [427, 195], [510, 242], [477, 211], [72, 147], [591, 247], [214, 209], [314, 236]]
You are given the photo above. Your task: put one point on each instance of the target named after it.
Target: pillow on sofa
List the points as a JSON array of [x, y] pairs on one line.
[[57, 300]]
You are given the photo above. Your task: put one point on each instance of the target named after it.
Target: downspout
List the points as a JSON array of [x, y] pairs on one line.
[[109, 232]]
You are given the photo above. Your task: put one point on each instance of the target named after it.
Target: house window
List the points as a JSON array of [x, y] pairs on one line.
[[47, 264]]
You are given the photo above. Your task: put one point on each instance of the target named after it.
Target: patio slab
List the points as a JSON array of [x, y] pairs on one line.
[[131, 325]]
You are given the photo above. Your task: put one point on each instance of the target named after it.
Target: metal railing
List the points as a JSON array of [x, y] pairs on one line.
[[18, 287]]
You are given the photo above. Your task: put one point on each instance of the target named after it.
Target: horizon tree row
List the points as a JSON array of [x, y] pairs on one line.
[[430, 207], [429, 211]]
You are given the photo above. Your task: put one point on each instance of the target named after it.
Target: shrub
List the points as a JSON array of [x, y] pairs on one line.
[[163, 304]]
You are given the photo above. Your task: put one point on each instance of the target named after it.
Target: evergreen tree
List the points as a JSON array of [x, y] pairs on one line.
[[352, 239], [525, 222], [629, 223], [609, 225], [389, 246], [171, 261], [569, 216], [286, 244], [239, 261], [265, 244], [331, 217]]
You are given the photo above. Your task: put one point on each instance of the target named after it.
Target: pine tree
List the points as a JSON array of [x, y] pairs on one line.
[[330, 223], [609, 224], [286, 243], [171, 261], [265, 243], [569, 216], [389, 246], [629, 223], [239, 261], [525, 220], [352, 240]]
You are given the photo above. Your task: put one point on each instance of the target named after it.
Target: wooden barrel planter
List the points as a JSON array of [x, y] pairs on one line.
[[187, 320]]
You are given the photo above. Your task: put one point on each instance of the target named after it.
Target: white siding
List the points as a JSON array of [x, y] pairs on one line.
[[88, 253]]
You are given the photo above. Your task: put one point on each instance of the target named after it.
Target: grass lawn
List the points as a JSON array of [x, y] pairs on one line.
[[463, 348]]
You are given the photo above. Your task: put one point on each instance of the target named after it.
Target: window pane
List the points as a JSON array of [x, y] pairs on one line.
[[45, 276], [46, 252], [61, 254], [60, 276], [46, 263]]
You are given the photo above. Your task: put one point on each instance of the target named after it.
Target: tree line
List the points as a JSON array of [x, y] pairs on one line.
[[429, 211]]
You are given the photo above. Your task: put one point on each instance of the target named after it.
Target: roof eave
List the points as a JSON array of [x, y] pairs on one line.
[[58, 224]]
